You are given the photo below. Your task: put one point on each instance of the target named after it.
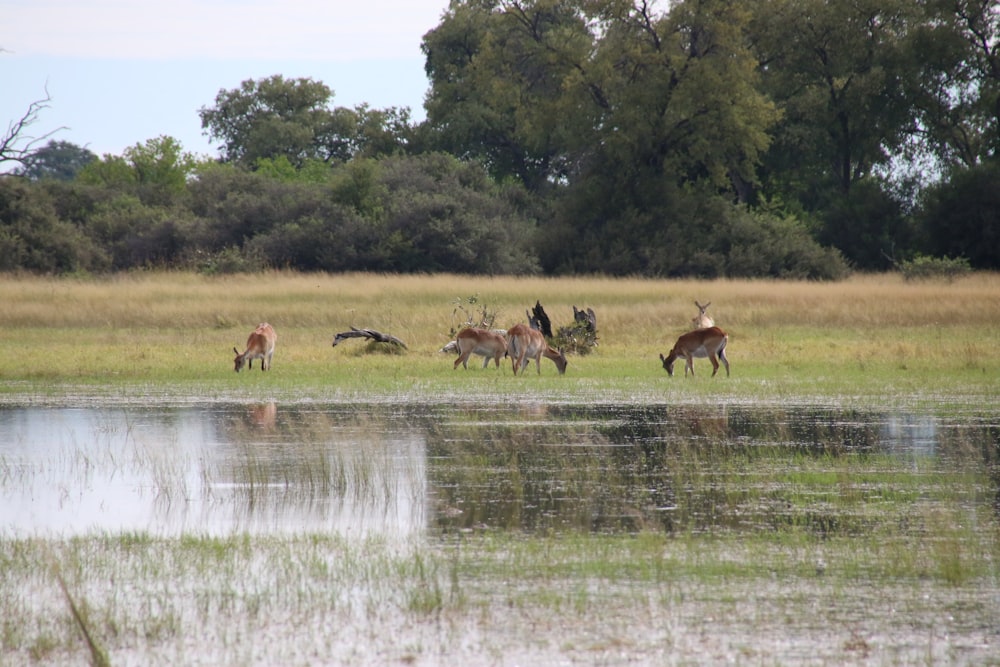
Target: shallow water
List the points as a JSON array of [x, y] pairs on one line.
[[440, 469]]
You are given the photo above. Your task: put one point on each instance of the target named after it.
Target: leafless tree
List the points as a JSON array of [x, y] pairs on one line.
[[18, 143]]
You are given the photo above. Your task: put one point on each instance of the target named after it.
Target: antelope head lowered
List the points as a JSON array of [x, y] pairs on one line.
[[260, 345], [698, 343], [525, 344]]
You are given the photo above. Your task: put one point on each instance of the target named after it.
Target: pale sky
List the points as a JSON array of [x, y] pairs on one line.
[[120, 72]]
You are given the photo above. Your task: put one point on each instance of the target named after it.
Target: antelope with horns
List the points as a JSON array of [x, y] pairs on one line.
[[703, 321]]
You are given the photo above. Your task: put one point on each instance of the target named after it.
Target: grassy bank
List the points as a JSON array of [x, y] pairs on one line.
[[166, 334], [792, 552]]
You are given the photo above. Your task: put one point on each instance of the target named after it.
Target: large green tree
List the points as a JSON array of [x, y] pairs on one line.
[[836, 70], [59, 160], [506, 85], [292, 118], [544, 89], [956, 92], [682, 106], [842, 76], [613, 109], [156, 171]]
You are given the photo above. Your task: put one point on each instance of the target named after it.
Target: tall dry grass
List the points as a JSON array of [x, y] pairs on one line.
[[423, 304]]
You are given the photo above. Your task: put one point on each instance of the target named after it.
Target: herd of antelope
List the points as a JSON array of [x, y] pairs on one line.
[[522, 344]]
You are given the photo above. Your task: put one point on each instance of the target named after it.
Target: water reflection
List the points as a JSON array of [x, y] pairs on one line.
[[405, 469], [214, 470]]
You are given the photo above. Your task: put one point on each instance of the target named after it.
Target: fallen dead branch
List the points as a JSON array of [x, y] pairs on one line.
[[371, 334]]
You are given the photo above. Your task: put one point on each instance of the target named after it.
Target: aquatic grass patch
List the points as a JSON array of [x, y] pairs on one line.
[[156, 596]]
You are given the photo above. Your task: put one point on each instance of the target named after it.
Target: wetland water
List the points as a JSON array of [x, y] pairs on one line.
[[511, 534], [358, 469]]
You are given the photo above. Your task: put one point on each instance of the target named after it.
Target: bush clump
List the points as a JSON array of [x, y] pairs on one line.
[[923, 267]]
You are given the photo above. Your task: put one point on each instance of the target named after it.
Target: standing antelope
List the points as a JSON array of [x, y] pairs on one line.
[[698, 343], [260, 345], [487, 344], [703, 321], [525, 344]]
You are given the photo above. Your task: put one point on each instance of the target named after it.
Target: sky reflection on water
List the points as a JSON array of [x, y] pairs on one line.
[[405, 470], [205, 471]]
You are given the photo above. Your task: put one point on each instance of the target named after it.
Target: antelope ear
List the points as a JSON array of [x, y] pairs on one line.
[[661, 357], [236, 352]]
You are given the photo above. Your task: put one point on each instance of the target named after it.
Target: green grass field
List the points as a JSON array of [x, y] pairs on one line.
[[871, 337]]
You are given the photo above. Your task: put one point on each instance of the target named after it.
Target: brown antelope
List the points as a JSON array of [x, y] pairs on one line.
[[703, 321], [487, 344], [525, 344], [698, 343], [260, 345]]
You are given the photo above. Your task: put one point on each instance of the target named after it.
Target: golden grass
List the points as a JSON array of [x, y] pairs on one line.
[[423, 303], [176, 327]]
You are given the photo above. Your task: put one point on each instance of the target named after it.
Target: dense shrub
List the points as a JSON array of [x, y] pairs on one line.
[[235, 206], [448, 215], [34, 238], [762, 244], [697, 236], [135, 235], [961, 217], [227, 260], [864, 223], [923, 267]]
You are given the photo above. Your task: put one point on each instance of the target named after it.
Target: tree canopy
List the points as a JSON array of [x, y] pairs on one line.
[[276, 117], [60, 160], [708, 138]]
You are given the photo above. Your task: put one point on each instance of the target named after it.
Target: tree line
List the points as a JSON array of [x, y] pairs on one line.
[[784, 138]]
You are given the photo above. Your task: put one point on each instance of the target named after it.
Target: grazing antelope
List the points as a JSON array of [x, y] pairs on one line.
[[525, 344], [703, 321], [260, 345], [487, 344], [698, 343]]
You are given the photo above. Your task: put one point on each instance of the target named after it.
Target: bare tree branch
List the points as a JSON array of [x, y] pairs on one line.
[[16, 145], [376, 336]]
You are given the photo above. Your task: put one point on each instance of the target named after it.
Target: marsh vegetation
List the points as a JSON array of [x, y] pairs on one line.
[[837, 499]]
